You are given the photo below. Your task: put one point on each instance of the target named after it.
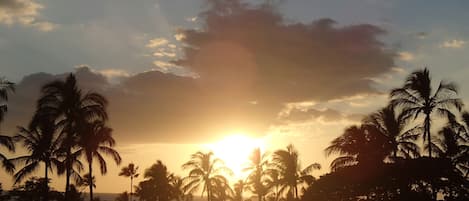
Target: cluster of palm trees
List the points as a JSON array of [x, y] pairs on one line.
[[404, 130], [68, 125], [271, 177]]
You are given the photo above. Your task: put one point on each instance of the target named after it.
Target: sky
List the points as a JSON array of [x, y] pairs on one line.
[[180, 74]]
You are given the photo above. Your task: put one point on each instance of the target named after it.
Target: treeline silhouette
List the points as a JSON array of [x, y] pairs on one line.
[[395, 153]]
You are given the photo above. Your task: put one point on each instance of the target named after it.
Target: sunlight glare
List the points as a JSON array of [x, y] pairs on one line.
[[235, 151]]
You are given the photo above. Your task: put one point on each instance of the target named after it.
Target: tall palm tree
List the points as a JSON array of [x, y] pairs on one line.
[[131, 171], [363, 145], [287, 163], [42, 144], [418, 98], [401, 140], [204, 170], [72, 109], [255, 179], [96, 141], [6, 87]]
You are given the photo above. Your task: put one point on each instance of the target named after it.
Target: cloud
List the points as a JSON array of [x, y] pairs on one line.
[[406, 56], [157, 42], [311, 114], [238, 73], [24, 12], [256, 50], [453, 44], [179, 36]]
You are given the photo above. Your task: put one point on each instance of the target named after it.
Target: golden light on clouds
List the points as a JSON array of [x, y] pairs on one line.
[[235, 150]]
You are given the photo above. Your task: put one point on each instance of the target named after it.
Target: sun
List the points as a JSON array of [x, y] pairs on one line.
[[235, 151]]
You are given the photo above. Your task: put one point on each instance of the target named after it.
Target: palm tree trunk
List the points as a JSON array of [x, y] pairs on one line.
[[208, 191], [67, 173], [427, 133], [296, 193], [131, 183], [90, 181], [46, 178]]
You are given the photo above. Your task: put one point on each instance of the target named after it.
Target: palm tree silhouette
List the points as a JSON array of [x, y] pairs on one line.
[[42, 144], [72, 109], [364, 145], [86, 181], [287, 163], [177, 188], [418, 98], [6, 87], [400, 140], [238, 189], [131, 171], [97, 140], [204, 169], [255, 179]]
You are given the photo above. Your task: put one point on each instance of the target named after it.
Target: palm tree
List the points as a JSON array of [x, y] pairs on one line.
[[158, 184], [42, 145], [130, 171], [238, 190], [273, 181], [86, 181], [177, 188], [256, 166], [72, 109], [393, 127], [288, 166], [417, 98], [364, 145], [96, 141], [5, 88], [204, 169]]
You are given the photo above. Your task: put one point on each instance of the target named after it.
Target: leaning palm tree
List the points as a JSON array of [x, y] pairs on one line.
[[131, 171], [96, 141], [255, 180], [418, 98], [394, 127], [6, 87], [72, 109], [42, 144], [287, 163], [204, 170]]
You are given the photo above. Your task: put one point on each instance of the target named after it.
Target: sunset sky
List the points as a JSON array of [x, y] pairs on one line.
[[299, 74]]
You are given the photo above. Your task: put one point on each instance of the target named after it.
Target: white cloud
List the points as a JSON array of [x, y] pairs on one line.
[[453, 43], [23, 12], [112, 73], [191, 19], [157, 42], [164, 53], [406, 56], [179, 36]]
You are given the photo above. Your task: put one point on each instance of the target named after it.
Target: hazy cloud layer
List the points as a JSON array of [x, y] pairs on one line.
[[249, 65], [256, 51], [23, 12]]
